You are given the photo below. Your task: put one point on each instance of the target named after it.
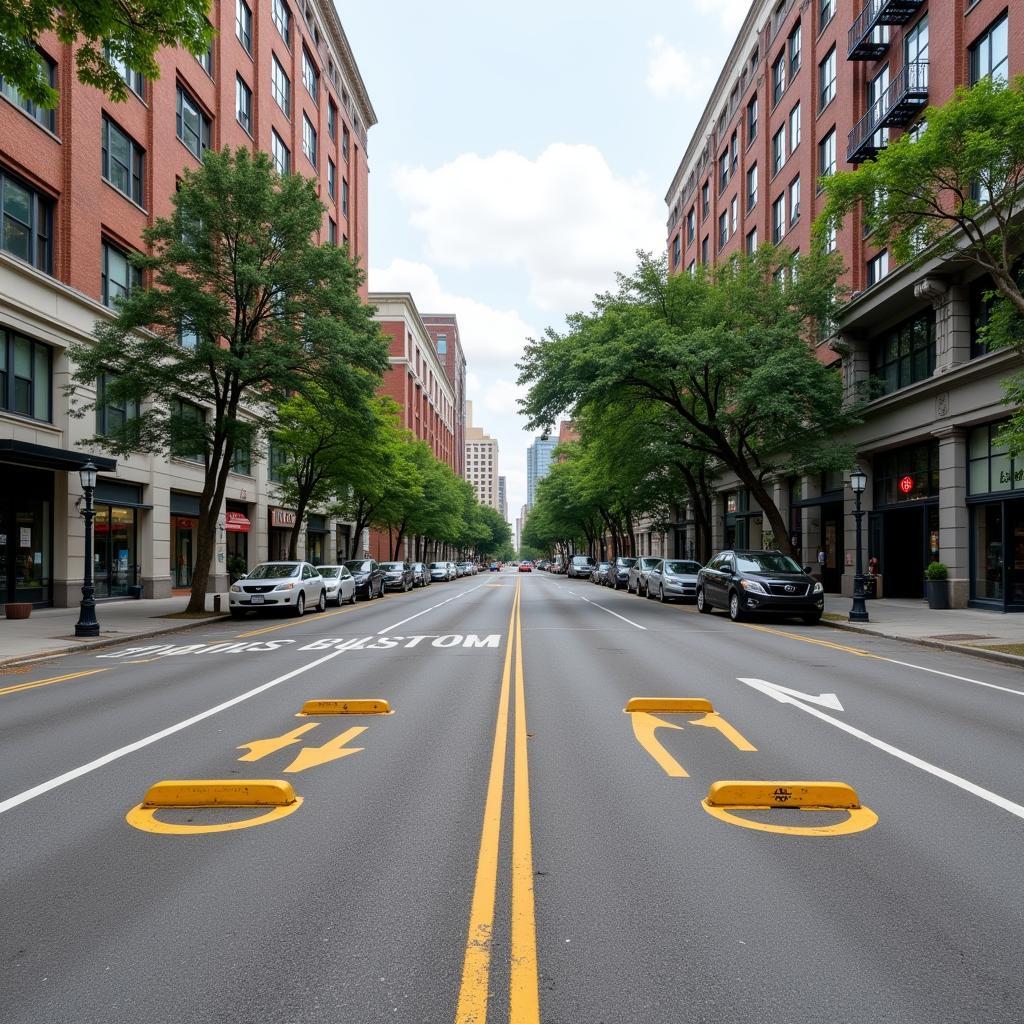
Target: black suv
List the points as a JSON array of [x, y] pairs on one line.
[[618, 574], [745, 582]]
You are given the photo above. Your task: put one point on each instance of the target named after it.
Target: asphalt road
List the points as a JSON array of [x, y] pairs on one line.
[[508, 844]]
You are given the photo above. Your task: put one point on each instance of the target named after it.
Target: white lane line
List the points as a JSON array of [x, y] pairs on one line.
[[114, 755], [949, 675], [608, 610], [917, 762], [462, 593]]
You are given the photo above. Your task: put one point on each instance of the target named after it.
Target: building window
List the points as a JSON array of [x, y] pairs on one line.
[[133, 79], [25, 230], [916, 467], [193, 125], [779, 219], [734, 214], [794, 46], [332, 181], [905, 354], [752, 188], [243, 104], [827, 155], [723, 171], [691, 268], [826, 13], [991, 467], [279, 153], [118, 277], [778, 78], [752, 242], [241, 460], [752, 120], [187, 336], [310, 76], [442, 344], [794, 200], [205, 60], [280, 86], [122, 161], [705, 200], [691, 226], [827, 80], [243, 25], [344, 142], [47, 118], [831, 239], [25, 376], [990, 55], [332, 120], [983, 299], [794, 128], [723, 229], [915, 42], [277, 459], [188, 431], [734, 152], [677, 252], [112, 414], [344, 196], [309, 140], [778, 150], [705, 250], [878, 267], [283, 20]]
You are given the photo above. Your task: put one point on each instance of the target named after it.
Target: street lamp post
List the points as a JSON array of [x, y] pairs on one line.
[[858, 611], [87, 624]]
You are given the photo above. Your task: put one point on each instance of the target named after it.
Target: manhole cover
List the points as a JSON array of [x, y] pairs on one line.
[[962, 636]]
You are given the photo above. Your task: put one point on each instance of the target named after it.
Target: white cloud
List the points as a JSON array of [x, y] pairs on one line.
[[564, 218], [730, 12], [671, 72]]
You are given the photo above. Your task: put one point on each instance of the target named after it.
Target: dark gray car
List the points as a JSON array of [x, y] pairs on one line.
[[580, 567], [398, 576]]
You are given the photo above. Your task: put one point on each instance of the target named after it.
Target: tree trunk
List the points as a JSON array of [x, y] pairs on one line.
[[760, 493], [206, 528], [293, 540]]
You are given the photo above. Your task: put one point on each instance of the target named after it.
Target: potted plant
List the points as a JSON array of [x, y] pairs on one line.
[[18, 609], [936, 585]]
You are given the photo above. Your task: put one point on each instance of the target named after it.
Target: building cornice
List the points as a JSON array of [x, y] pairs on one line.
[[348, 62]]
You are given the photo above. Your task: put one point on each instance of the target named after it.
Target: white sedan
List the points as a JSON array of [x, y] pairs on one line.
[[341, 584], [280, 586]]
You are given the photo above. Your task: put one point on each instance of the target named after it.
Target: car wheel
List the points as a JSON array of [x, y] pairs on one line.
[[736, 612], [300, 605], [381, 594], [703, 604], [661, 594], [321, 604]]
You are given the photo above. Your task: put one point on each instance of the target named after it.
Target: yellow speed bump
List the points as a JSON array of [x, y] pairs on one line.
[[345, 707], [753, 795], [670, 705], [219, 793]]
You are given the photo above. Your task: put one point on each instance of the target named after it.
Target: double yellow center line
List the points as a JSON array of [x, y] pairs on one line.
[[524, 999]]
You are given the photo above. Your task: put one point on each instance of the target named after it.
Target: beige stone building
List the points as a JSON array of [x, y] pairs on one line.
[[481, 462]]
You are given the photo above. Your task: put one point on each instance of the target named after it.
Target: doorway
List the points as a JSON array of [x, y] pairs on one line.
[[832, 542], [183, 553], [903, 551]]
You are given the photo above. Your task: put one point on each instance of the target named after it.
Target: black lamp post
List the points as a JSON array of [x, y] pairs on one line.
[[858, 612], [87, 624]]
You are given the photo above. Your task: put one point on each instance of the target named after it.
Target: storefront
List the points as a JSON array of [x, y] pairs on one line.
[[824, 526], [115, 544], [184, 519], [903, 527], [236, 531], [316, 539], [995, 489], [282, 520]]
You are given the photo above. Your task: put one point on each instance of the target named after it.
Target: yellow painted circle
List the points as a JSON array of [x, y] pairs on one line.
[[145, 819], [860, 819]]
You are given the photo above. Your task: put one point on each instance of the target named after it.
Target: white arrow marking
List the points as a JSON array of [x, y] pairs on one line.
[[940, 773], [784, 695]]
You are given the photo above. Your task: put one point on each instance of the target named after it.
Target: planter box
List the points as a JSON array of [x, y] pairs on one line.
[[937, 592], [18, 609]]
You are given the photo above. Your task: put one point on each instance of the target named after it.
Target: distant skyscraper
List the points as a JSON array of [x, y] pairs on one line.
[[503, 498], [481, 467], [538, 465]]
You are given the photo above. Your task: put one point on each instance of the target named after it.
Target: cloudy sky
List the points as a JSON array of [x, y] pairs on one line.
[[522, 155]]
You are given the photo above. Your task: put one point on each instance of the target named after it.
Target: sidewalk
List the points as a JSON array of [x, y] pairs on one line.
[[983, 633], [52, 630]]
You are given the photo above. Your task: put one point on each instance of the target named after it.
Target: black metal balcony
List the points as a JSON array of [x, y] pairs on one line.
[[862, 42], [905, 98]]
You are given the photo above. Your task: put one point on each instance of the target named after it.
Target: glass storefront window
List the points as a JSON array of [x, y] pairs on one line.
[[992, 470], [114, 550], [988, 552], [906, 474]]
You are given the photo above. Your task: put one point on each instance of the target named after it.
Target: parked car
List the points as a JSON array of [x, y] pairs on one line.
[[441, 572], [525, 567], [638, 573], [369, 577], [746, 582], [420, 574], [494, 567], [341, 586], [580, 567], [282, 586], [673, 580], [398, 576], [465, 568], [599, 573], [618, 573]]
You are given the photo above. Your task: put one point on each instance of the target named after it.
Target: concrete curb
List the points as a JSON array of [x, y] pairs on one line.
[[91, 645], [939, 645]]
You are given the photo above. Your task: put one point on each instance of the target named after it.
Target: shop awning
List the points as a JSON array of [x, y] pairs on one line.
[[22, 453], [236, 522]]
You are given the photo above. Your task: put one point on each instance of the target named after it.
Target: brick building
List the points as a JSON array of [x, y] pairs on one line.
[[809, 89], [79, 185], [444, 330]]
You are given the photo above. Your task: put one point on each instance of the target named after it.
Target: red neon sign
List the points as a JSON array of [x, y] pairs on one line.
[[906, 484]]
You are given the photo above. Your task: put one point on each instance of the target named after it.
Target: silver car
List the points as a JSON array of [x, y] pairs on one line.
[[440, 572], [341, 586], [281, 586], [673, 580], [638, 573]]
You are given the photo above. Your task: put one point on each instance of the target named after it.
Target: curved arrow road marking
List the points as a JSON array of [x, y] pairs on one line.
[[644, 727]]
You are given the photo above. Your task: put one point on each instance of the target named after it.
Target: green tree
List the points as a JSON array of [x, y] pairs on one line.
[[244, 312], [104, 31], [725, 352], [954, 191]]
